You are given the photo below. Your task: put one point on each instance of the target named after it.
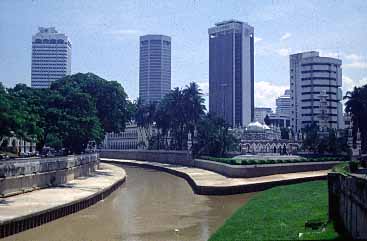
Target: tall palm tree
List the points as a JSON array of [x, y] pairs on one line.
[[193, 105], [356, 106]]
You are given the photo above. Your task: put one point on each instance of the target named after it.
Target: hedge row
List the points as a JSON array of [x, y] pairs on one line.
[[234, 161]]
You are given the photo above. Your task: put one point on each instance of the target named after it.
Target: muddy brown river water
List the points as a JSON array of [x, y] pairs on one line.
[[151, 205]]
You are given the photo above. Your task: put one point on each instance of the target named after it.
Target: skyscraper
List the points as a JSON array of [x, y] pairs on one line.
[[51, 57], [154, 67], [283, 104], [231, 72], [312, 77]]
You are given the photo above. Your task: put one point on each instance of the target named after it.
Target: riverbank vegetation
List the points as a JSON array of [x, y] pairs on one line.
[[73, 111], [293, 212], [239, 161], [180, 114]]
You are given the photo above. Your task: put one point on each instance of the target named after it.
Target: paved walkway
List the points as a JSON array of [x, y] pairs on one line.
[[208, 182], [28, 204]]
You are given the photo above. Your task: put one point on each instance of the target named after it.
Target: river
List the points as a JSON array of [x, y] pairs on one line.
[[151, 205]]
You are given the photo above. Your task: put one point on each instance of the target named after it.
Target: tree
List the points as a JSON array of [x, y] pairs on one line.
[[311, 138], [284, 132], [214, 138], [356, 106], [109, 97], [18, 116], [267, 120]]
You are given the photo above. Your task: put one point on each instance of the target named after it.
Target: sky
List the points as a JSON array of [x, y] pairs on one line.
[[105, 37]]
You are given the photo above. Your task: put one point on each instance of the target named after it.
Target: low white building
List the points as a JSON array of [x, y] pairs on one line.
[[133, 137]]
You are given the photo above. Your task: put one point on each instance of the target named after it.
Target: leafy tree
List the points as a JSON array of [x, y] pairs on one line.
[[109, 97], [214, 138]]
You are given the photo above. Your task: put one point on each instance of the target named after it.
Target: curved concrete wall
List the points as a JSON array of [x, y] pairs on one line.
[[172, 157], [261, 170], [24, 175]]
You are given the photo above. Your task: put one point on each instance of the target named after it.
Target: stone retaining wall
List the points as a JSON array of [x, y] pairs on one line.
[[348, 204], [24, 175], [163, 156], [262, 169], [37, 219]]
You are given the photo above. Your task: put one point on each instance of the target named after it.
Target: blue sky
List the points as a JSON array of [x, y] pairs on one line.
[[105, 37]]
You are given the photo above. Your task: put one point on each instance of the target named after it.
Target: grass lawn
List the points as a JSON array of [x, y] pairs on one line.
[[280, 213]]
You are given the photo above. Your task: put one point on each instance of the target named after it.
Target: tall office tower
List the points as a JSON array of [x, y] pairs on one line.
[[154, 67], [231, 72], [261, 112], [311, 77], [51, 57], [283, 104]]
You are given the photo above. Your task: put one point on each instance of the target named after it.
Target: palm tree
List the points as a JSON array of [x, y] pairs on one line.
[[356, 106], [193, 105]]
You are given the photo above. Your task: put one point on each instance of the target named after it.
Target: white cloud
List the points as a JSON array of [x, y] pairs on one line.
[[285, 36], [356, 62], [353, 57], [256, 40], [283, 51], [267, 92], [126, 32], [349, 83], [356, 65]]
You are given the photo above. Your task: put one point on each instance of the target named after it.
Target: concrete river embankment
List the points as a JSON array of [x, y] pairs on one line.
[[151, 205]]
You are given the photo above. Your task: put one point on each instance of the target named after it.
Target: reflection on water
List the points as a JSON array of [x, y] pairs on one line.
[[151, 205]]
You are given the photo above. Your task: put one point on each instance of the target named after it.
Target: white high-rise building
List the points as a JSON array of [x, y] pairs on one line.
[[312, 76], [154, 67], [51, 57], [283, 104], [231, 72]]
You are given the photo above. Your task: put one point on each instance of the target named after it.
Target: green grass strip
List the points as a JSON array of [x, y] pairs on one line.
[[280, 213]]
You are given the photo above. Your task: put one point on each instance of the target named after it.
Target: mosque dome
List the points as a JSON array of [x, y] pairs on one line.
[[257, 126]]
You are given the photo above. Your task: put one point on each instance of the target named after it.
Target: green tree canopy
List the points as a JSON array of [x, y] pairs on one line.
[[109, 97]]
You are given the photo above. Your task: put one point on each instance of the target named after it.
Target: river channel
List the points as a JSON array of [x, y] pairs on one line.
[[151, 205]]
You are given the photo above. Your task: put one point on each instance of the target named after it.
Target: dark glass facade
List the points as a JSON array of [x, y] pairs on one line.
[[231, 75]]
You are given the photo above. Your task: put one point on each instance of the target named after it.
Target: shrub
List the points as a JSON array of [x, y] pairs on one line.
[[353, 166]]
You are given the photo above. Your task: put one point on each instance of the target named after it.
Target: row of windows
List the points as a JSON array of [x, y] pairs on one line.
[[317, 71], [44, 73], [35, 64], [323, 64], [51, 41], [309, 122], [63, 50], [317, 107], [310, 100], [49, 56], [316, 114], [51, 77], [49, 47], [317, 92], [329, 86], [48, 67], [54, 53], [319, 78]]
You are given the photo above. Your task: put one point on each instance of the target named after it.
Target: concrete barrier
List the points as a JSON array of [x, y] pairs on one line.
[[183, 158], [348, 204], [247, 171], [24, 175]]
